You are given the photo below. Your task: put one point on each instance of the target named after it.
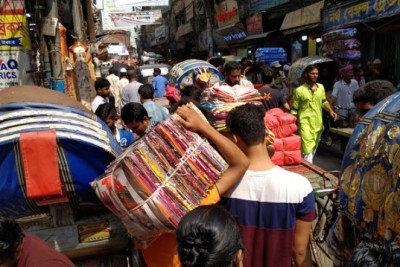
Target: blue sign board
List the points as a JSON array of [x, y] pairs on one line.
[[360, 11], [262, 5]]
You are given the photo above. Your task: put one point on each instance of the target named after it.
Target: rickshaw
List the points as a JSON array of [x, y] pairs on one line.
[[194, 71]]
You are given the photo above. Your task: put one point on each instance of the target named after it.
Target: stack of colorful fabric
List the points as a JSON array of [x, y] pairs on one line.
[[159, 179], [222, 99], [287, 145]]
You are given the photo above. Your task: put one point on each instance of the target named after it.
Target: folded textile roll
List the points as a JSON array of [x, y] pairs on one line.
[[223, 98], [158, 179]]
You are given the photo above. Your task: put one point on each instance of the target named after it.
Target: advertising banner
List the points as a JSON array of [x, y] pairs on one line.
[[360, 11], [254, 24], [227, 13], [262, 5], [14, 66], [141, 3], [14, 34], [129, 19]]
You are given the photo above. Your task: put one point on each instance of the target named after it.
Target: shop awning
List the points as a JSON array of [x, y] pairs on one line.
[[302, 17], [258, 36], [302, 28]]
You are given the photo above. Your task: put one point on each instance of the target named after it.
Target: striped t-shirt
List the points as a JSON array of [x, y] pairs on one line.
[[266, 204]]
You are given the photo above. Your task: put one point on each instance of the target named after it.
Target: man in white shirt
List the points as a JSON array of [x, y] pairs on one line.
[[342, 95], [102, 87], [232, 74]]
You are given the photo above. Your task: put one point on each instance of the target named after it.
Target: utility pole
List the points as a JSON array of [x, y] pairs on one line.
[[56, 81], [90, 22]]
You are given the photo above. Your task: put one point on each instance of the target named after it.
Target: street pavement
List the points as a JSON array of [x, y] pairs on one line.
[[329, 158]]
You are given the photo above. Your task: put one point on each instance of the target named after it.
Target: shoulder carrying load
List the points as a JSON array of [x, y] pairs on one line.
[[158, 179], [49, 151]]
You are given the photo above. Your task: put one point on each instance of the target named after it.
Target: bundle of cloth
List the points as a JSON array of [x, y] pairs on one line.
[[220, 99], [51, 147], [287, 145], [158, 179]]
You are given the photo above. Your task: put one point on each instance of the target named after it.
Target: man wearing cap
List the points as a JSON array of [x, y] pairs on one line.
[[375, 71], [342, 95], [277, 75], [123, 81]]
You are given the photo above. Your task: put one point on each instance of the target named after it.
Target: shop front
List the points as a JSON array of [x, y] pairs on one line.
[[378, 29]]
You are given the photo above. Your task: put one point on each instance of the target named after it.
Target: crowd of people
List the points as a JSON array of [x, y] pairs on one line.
[[265, 213]]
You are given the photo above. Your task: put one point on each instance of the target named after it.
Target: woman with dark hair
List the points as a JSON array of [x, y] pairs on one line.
[[209, 236]]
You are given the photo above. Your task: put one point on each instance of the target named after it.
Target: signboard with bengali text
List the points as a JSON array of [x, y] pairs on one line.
[[227, 13], [360, 11], [254, 24]]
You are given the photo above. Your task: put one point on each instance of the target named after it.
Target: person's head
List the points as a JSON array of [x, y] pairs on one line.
[[132, 75], [286, 69], [135, 117], [310, 73], [377, 63], [11, 241], [146, 92], [191, 91], [244, 62], [112, 70], [246, 123], [360, 72], [123, 73], [209, 236], [372, 254], [108, 113], [156, 72], [232, 72], [346, 73], [371, 94], [102, 87], [266, 77]]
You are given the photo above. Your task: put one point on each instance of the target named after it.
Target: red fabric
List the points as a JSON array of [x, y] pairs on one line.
[[291, 143], [171, 93], [40, 160], [292, 157], [36, 252], [278, 158], [278, 144], [286, 118], [280, 123]]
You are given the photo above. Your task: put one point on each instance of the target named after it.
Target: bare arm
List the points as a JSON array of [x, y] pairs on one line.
[[301, 250], [329, 109], [238, 162]]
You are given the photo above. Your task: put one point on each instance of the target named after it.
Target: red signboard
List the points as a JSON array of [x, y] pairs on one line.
[[254, 24], [227, 13]]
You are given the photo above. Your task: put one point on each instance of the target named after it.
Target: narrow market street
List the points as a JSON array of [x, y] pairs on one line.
[[133, 133]]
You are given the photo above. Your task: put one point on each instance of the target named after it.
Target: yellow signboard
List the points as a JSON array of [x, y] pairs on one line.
[[14, 34]]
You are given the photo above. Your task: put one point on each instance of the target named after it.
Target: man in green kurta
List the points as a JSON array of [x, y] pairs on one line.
[[309, 100]]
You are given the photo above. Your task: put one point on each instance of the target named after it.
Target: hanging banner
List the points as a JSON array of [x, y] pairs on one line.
[[129, 19], [254, 24], [360, 11], [262, 5], [140, 3], [227, 13]]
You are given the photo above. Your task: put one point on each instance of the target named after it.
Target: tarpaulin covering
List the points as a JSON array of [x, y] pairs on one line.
[[84, 147]]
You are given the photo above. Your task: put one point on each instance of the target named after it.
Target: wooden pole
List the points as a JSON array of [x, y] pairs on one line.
[[90, 22]]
